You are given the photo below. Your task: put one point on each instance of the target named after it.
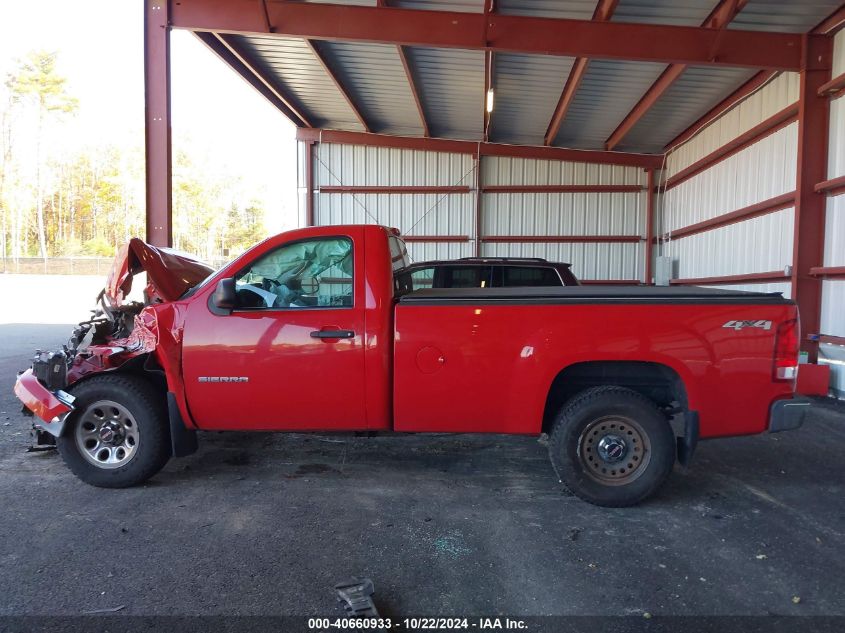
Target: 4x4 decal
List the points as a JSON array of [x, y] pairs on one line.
[[739, 325]]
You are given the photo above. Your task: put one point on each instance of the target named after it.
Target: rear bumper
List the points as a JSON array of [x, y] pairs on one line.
[[786, 415], [51, 408]]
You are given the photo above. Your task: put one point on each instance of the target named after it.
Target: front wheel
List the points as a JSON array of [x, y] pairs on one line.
[[117, 435], [612, 447]]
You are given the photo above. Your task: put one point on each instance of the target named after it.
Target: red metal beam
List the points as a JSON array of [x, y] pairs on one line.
[[769, 277], [435, 238], [832, 340], [228, 52], [808, 241], [604, 11], [832, 23], [661, 85], [576, 75], [562, 239], [476, 31], [757, 133], [487, 149], [562, 189], [413, 84], [832, 187], [719, 18], [833, 86], [828, 272], [649, 226], [157, 129], [746, 89], [340, 87], [752, 211], [393, 189]]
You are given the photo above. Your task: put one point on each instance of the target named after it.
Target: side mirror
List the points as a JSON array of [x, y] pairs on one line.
[[224, 296]]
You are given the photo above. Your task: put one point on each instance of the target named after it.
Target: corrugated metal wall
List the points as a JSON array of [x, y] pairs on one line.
[[833, 290], [452, 215], [776, 95], [429, 214], [757, 173], [566, 214]]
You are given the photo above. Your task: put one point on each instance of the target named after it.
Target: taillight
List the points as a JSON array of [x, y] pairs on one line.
[[785, 361]]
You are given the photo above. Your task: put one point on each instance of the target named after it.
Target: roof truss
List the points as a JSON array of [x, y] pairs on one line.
[[494, 32]]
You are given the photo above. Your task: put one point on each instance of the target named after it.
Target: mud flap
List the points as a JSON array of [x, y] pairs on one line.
[[182, 439], [687, 443]]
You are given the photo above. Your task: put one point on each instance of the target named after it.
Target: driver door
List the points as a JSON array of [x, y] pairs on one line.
[[290, 355]]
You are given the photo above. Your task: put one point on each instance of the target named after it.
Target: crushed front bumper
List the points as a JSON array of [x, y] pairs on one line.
[[52, 408], [786, 415]]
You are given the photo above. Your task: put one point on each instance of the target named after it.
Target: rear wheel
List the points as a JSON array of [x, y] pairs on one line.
[[117, 435], [612, 447]]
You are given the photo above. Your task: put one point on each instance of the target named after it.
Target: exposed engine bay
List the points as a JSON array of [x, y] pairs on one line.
[[118, 329]]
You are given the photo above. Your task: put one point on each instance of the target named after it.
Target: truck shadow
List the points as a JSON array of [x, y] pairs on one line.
[[763, 468]]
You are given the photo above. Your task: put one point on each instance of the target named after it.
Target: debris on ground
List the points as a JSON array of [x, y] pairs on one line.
[[356, 596], [105, 610]]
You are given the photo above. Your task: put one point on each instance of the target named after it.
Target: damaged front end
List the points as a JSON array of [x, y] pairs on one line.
[[118, 333]]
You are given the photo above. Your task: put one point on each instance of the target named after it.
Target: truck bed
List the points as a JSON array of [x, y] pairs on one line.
[[590, 294], [476, 360]]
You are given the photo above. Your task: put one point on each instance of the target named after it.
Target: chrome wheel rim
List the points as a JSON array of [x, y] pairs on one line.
[[614, 450], [107, 434]]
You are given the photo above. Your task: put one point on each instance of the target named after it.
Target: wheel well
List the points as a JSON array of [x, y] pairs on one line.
[[660, 383], [144, 366]]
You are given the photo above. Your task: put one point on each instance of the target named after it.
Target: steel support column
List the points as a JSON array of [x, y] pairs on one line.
[[649, 226], [157, 129], [808, 244], [479, 202], [309, 183]]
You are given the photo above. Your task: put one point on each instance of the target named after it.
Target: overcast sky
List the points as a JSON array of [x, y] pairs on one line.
[[100, 46]]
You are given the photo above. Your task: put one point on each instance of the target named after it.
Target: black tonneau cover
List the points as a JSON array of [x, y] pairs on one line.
[[588, 294]]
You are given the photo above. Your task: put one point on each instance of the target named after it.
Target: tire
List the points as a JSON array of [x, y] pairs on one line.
[[612, 446], [118, 435]]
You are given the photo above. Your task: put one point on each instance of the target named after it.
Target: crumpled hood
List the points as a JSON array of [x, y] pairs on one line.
[[170, 273]]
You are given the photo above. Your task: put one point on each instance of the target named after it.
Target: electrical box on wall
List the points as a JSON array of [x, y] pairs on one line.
[[663, 270]]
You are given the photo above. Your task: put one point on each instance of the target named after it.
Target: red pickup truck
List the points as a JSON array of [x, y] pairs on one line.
[[303, 333]]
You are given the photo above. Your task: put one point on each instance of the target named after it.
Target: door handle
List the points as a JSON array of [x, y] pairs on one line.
[[332, 334]]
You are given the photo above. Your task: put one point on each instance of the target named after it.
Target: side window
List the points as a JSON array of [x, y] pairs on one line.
[[307, 274], [527, 276], [398, 253], [465, 277], [422, 279]]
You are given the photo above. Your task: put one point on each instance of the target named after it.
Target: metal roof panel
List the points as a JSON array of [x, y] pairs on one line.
[[463, 6], [526, 91], [696, 91], [797, 16], [565, 9], [375, 80], [607, 93], [294, 68], [451, 87], [674, 12]]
